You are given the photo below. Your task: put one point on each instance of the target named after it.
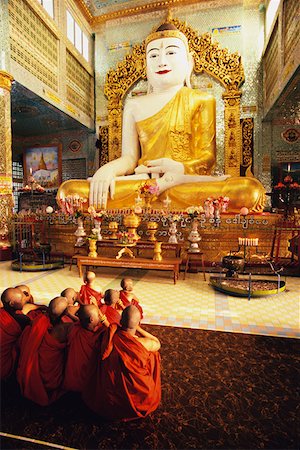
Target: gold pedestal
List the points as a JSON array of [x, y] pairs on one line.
[[152, 228], [157, 251], [93, 248]]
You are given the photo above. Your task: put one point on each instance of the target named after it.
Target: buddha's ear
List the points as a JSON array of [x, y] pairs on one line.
[[190, 69]]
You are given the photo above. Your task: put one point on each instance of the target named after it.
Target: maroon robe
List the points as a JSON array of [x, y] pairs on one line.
[[80, 347], [86, 292], [10, 331], [126, 380], [41, 363], [112, 314], [134, 302]]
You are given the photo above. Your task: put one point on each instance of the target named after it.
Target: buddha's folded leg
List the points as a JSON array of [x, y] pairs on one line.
[[242, 191]]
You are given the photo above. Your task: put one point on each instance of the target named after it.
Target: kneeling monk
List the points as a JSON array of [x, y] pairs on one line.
[[126, 383], [42, 355]]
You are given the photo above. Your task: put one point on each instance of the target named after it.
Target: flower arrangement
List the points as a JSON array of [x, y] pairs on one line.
[[72, 204], [125, 237], [288, 183], [286, 194], [150, 188], [194, 211], [213, 207], [96, 215]]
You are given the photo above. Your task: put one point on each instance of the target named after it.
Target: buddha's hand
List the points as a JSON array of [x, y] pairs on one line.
[[100, 185], [163, 165]]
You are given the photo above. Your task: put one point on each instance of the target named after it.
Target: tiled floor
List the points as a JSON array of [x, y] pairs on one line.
[[191, 303]]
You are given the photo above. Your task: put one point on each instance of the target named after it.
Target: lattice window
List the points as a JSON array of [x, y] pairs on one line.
[[32, 44], [272, 61], [290, 24], [17, 173], [79, 86]]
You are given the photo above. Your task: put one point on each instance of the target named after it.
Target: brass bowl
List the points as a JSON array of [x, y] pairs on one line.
[[152, 225], [131, 221], [234, 264]]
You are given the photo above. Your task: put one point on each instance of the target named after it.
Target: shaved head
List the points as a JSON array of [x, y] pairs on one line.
[[111, 296], [127, 284], [13, 297], [89, 316], [89, 277], [57, 307], [131, 317], [26, 290], [70, 294]]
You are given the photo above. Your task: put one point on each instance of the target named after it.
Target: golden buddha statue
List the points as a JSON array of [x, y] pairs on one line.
[[168, 134]]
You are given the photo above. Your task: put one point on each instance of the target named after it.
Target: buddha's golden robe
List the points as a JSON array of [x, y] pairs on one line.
[[183, 130]]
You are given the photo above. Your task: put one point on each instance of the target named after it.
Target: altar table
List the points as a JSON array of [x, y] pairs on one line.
[[172, 264]]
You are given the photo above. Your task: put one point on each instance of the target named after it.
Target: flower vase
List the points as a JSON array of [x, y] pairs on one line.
[[173, 233], [194, 237], [80, 232], [93, 248], [147, 200], [97, 230]]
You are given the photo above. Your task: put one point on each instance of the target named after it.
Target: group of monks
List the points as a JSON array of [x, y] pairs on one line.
[[85, 342]]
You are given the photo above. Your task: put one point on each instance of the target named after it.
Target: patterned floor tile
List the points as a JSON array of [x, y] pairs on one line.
[[191, 303]]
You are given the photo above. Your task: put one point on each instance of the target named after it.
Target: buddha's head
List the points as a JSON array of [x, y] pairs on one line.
[[169, 62]]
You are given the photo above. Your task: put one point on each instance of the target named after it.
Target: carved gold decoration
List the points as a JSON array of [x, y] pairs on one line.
[[247, 139], [103, 136], [142, 9], [6, 80], [233, 138], [210, 58]]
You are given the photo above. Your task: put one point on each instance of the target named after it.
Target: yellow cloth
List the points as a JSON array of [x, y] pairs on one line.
[[183, 130]]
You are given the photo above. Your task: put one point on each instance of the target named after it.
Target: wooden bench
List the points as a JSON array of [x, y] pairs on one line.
[[172, 264]]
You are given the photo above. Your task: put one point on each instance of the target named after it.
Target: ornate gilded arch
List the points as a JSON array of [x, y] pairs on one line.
[[225, 67]]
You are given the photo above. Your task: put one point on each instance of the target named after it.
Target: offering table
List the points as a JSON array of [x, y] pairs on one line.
[[172, 264]]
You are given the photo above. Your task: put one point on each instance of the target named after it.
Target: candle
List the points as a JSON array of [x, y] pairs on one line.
[[30, 170], [249, 290], [289, 167]]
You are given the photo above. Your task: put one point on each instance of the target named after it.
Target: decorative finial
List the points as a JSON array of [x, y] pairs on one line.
[[169, 16]]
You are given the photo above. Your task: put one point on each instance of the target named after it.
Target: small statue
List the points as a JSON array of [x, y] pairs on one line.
[[173, 233]]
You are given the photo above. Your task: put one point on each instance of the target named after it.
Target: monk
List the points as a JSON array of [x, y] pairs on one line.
[[88, 292], [81, 343], [30, 308], [113, 306], [168, 134], [126, 382], [127, 296], [73, 299], [26, 291], [42, 354], [11, 327]]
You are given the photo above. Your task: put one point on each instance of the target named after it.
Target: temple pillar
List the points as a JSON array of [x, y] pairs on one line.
[[233, 137], [6, 200]]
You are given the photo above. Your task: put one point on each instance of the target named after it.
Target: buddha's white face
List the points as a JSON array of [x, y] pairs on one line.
[[167, 63]]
